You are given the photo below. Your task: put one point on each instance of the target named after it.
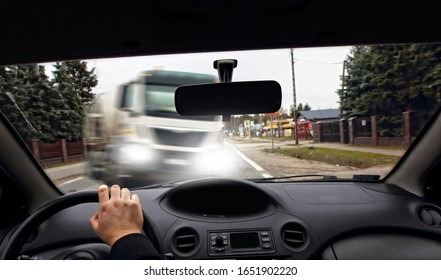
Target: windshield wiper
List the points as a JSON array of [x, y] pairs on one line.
[[157, 186], [365, 177], [274, 179]]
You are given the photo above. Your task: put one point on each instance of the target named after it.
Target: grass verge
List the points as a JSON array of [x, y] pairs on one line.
[[338, 157]]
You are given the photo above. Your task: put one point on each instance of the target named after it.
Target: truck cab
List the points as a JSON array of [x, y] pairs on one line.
[[135, 134]]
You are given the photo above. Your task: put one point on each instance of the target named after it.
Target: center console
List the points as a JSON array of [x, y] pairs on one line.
[[256, 241]]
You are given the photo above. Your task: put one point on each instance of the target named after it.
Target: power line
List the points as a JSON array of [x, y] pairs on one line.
[[317, 62]]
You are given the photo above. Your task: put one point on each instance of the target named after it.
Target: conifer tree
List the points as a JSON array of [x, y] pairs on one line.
[[73, 85], [20, 101], [387, 80], [6, 105]]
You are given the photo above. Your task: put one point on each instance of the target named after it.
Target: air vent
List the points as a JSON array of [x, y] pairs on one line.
[[294, 235], [186, 240], [430, 215]]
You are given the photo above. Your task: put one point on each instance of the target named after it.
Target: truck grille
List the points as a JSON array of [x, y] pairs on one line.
[[179, 138]]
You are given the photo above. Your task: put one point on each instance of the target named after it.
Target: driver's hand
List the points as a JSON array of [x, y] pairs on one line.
[[119, 214]]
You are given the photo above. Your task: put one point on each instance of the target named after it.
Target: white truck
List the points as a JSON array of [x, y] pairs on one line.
[[135, 136]]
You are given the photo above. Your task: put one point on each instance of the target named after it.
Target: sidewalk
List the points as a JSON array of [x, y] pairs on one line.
[[379, 150], [76, 169]]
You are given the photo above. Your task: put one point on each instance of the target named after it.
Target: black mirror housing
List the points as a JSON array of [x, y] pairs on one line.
[[234, 98]]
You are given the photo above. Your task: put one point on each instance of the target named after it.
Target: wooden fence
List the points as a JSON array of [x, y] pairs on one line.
[[60, 151]]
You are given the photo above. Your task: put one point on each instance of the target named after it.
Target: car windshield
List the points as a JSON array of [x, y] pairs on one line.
[[348, 113]]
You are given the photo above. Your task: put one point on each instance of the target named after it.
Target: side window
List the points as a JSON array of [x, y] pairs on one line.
[[127, 96]]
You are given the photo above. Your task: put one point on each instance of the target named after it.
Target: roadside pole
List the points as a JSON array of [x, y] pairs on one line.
[[342, 84], [272, 133], [250, 127], [296, 134]]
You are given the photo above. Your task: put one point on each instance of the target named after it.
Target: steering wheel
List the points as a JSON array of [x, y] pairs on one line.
[[19, 237]]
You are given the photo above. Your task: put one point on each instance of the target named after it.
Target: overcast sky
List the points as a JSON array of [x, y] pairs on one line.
[[317, 70]]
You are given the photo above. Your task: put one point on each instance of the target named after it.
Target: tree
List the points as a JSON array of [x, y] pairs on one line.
[[43, 109], [282, 113], [356, 82], [83, 80], [6, 104], [388, 80], [23, 99], [300, 107], [73, 85], [38, 107], [67, 119]]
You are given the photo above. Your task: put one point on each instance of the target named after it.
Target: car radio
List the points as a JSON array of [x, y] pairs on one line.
[[240, 242]]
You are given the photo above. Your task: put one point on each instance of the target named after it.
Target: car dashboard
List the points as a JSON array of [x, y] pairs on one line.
[[217, 218]]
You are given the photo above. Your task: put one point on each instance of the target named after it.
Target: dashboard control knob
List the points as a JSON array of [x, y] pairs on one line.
[[219, 241]]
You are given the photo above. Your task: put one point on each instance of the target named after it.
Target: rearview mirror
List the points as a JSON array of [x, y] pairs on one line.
[[234, 98]]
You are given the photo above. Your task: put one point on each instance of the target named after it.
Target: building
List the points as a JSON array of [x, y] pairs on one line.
[[324, 115]]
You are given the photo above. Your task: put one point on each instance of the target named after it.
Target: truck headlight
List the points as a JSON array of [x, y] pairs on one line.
[[213, 163], [135, 154]]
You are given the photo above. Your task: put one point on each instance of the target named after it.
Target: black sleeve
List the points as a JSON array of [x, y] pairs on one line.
[[134, 246]]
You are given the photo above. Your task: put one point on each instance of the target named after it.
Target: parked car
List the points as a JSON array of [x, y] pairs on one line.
[[260, 208]]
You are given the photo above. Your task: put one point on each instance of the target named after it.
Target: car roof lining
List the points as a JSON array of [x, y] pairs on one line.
[[82, 30]]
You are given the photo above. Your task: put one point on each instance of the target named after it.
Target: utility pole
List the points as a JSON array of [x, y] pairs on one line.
[[272, 132], [296, 134], [342, 86], [250, 126]]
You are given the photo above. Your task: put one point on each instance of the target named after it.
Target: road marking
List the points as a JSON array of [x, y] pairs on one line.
[[249, 161], [73, 180]]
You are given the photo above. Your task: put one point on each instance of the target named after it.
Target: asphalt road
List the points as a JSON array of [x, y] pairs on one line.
[[73, 178], [240, 159]]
